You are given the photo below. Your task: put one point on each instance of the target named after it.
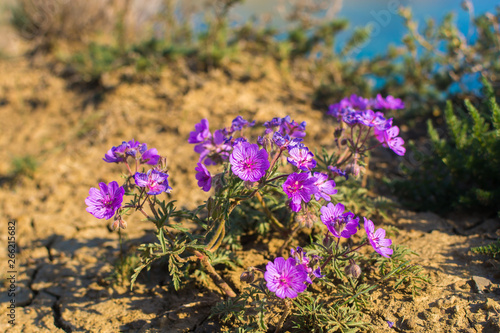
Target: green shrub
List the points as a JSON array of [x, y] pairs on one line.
[[462, 169]]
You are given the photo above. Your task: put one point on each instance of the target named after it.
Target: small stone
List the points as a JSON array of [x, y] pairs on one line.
[[480, 284]]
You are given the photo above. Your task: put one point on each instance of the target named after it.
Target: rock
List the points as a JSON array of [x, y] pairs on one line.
[[480, 284]]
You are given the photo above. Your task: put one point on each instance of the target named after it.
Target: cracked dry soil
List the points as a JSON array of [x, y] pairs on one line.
[[65, 257]]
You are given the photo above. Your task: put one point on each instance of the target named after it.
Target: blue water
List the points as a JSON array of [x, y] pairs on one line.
[[388, 26]]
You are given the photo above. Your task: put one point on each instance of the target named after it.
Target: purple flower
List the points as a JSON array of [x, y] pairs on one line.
[[381, 123], [350, 117], [284, 141], [377, 239], [239, 123], [366, 118], [359, 103], [150, 157], [200, 133], [117, 154], [338, 110], [389, 138], [270, 125], [292, 128], [340, 224], [204, 177], [302, 158], [389, 103], [154, 181], [301, 258], [214, 150], [394, 142], [105, 201], [285, 278], [299, 187], [326, 187], [134, 147], [248, 162]]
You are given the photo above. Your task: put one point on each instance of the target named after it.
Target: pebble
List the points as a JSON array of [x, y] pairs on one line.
[[480, 284]]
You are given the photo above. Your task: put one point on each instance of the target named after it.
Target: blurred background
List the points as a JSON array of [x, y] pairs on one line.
[[424, 52]]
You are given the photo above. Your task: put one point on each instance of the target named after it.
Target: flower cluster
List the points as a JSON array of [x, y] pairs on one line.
[[278, 161], [215, 148], [367, 115], [106, 201], [138, 151], [250, 163]]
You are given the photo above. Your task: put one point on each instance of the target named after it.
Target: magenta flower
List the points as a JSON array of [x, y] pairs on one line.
[[214, 150], [117, 154], [299, 187], [302, 158], [154, 181], [377, 239], [302, 258], [204, 177], [394, 142], [389, 103], [200, 133], [134, 147], [284, 141], [105, 201], [389, 138], [248, 162], [340, 224], [239, 123], [285, 278], [292, 128], [150, 157], [326, 187]]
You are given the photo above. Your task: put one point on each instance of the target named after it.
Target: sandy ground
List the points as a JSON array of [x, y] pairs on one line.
[[65, 256]]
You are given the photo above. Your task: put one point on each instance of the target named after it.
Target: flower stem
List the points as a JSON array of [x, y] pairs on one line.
[[274, 221], [129, 170], [283, 316], [214, 275]]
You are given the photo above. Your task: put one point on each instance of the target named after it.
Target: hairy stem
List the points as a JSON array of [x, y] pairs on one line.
[[214, 275], [283, 316]]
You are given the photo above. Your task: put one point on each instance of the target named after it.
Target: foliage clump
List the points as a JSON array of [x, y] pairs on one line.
[[461, 169]]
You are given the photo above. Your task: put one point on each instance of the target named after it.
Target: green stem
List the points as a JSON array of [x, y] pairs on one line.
[[274, 221]]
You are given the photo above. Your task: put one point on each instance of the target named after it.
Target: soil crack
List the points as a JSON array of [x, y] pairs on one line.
[[58, 321]]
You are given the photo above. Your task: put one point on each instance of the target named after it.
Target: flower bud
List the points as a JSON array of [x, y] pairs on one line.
[[119, 223], [217, 182], [337, 133], [353, 169], [343, 142], [328, 240], [353, 270], [247, 276], [306, 219]]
